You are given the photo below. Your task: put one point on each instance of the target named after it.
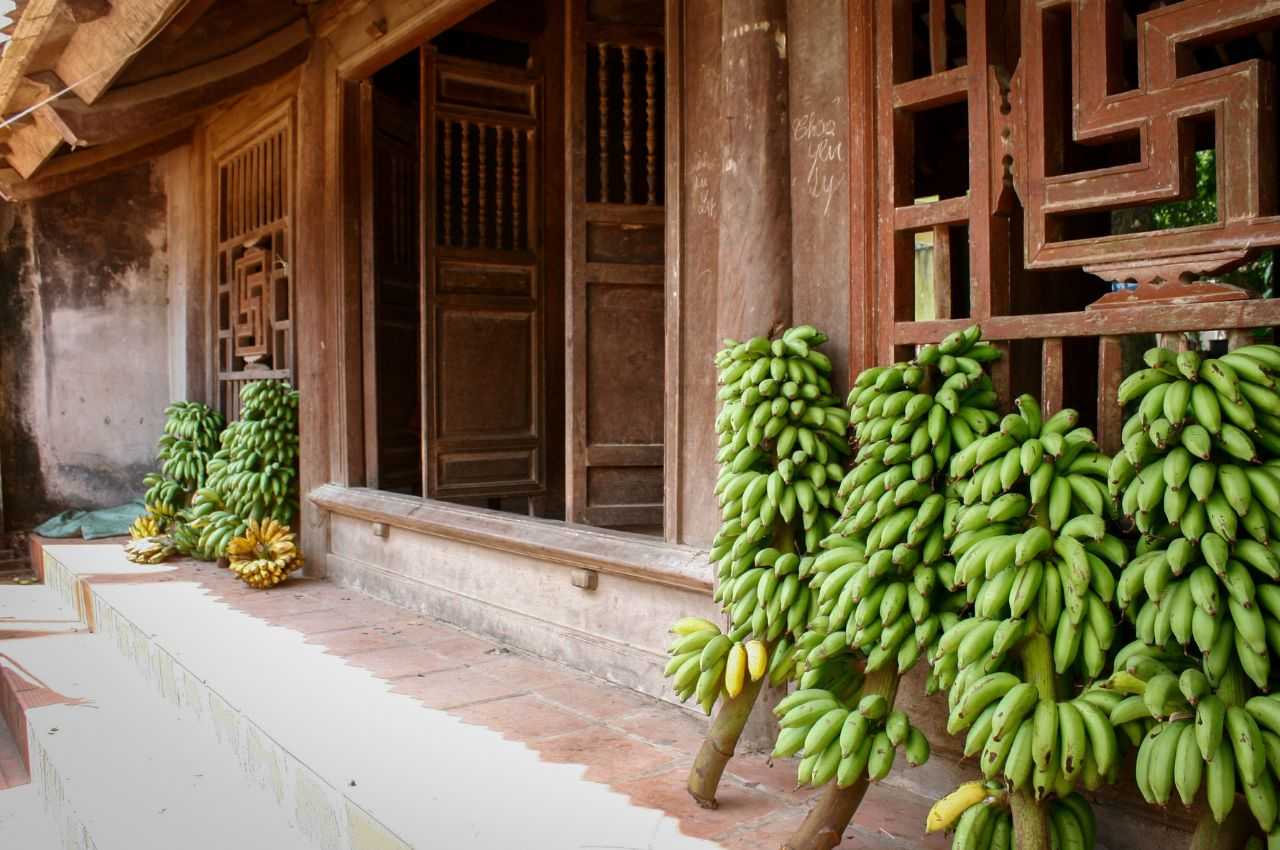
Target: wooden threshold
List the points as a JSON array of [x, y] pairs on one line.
[[615, 552]]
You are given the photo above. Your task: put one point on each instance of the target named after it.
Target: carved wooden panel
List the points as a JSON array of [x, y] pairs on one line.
[[615, 348], [1024, 144], [251, 209], [485, 348]]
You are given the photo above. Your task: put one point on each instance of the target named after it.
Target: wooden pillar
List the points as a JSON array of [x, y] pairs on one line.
[[754, 287], [312, 307], [755, 193]]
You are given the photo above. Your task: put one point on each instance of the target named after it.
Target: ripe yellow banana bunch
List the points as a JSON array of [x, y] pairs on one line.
[[979, 813], [145, 526], [841, 743], [264, 555], [150, 550], [706, 662]]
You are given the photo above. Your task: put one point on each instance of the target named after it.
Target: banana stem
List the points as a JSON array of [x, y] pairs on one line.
[[722, 739], [1228, 835], [731, 715], [824, 827], [1031, 817]]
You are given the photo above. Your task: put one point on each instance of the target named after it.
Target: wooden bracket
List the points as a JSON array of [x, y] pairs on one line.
[[1166, 280]]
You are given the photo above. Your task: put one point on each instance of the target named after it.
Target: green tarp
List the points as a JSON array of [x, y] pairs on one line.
[[92, 525]]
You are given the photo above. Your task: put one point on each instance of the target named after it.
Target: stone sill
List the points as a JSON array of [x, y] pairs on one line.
[[612, 552]]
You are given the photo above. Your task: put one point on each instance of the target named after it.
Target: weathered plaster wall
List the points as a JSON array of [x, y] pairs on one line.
[[84, 347]]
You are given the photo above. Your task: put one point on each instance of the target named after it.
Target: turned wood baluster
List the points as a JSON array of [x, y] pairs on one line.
[[603, 74], [499, 180], [465, 239], [627, 191], [482, 198], [517, 218], [651, 132], [446, 132]]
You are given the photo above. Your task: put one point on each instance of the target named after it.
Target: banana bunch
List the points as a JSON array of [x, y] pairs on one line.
[[845, 743], [1192, 735], [1200, 478], [255, 472], [1030, 537], [1049, 746], [204, 529], [150, 550], [265, 554], [705, 661], [145, 526], [782, 442], [883, 582], [191, 432], [980, 815], [163, 491]]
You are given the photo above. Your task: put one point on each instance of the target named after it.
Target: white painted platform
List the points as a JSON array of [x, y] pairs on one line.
[[122, 770], [23, 822], [339, 759]]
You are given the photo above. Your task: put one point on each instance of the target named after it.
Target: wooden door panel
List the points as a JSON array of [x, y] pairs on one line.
[[485, 356], [615, 350], [395, 289]]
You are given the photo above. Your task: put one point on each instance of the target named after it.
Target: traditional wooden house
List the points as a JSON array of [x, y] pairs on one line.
[[495, 245]]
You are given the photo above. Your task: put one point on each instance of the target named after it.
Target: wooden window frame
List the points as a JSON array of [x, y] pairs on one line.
[[345, 365], [877, 296]]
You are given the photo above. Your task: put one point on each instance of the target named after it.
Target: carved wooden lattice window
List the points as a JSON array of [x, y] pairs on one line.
[[1028, 144], [252, 213]]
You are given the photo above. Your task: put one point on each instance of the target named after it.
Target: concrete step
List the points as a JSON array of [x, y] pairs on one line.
[[23, 820], [116, 766], [352, 763]]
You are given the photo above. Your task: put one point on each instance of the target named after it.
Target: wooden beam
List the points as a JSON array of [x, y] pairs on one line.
[[32, 145], [99, 50], [84, 11], [41, 20], [184, 20], [137, 108], [75, 169]]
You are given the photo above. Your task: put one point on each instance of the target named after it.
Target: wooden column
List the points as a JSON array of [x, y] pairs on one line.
[[754, 288], [755, 193]]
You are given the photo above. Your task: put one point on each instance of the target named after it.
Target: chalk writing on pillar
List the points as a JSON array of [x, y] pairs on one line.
[[823, 156], [705, 200]]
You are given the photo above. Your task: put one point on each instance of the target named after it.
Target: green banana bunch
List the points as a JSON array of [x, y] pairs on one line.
[[884, 580], [782, 446], [1027, 525], [255, 471], [844, 740], [191, 433]]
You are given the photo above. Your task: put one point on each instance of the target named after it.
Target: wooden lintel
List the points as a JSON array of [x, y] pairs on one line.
[[134, 109], [31, 91], [74, 169], [84, 11], [99, 50]]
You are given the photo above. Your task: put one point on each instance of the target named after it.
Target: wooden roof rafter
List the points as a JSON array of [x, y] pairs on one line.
[[57, 75]]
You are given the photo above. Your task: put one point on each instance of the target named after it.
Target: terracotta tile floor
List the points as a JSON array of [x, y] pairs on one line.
[[638, 745]]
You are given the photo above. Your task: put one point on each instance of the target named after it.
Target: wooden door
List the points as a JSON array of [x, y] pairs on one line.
[[393, 289], [616, 298], [484, 346]]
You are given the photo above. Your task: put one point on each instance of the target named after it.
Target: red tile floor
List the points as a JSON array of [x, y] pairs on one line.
[[638, 745]]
